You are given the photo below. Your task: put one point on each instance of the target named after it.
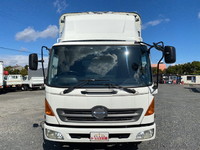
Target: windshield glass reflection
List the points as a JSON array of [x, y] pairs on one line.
[[121, 65]]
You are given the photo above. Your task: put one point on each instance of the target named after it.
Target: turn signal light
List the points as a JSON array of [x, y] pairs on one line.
[[48, 109], [150, 110]]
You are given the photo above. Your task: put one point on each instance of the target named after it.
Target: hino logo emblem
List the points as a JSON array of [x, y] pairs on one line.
[[99, 112]]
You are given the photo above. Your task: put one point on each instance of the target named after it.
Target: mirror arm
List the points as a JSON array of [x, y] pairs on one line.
[[42, 59], [158, 70], [159, 47], [155, 45]]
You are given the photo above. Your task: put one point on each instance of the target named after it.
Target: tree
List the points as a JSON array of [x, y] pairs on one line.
[[187, 68], [24, 72], [8, 68], [26, 67], [15, 71], [154, 71]]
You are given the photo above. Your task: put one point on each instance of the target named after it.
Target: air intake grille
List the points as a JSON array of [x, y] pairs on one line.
[[85, 115], [119, 136]]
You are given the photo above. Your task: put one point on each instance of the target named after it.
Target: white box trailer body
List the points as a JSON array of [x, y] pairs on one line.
[[102, 49], [190, 79], [102, 26], [1, 74]]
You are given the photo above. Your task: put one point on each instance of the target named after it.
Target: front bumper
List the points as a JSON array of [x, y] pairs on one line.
[[116, 135]]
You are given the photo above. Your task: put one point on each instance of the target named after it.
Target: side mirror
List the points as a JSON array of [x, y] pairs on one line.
[[33, 61], [170, 54]]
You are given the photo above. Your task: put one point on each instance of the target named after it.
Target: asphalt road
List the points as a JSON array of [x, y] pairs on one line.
[[177, 119]]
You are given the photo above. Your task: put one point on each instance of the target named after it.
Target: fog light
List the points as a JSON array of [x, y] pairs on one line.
[[54, 135], [145, 134]]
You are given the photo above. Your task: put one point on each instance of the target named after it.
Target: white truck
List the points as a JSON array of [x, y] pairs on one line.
[[99, 83], [13, 81], [19, 82], [34, 80], [1, 75], [9, 81]]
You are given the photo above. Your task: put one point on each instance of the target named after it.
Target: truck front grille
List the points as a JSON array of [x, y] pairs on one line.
[[113, 115], [119, 136]]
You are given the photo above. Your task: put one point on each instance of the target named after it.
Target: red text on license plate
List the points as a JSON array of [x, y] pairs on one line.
[[96, 136]]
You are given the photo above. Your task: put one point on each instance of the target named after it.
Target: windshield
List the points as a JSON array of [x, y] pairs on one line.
[[120, 65]]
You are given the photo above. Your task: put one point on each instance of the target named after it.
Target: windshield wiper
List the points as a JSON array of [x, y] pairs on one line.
[[80, 84], [111, 85]]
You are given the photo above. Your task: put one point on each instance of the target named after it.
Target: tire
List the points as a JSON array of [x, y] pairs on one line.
[[24, 88], [41, 87]]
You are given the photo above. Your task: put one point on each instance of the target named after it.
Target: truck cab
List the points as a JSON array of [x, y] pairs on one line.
[[99, 83], [13, 80]]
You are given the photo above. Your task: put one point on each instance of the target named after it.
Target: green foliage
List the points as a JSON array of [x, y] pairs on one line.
[[15, 71], [154, 71], [8, 68], [187, 68], [26, 67], [23, 72]]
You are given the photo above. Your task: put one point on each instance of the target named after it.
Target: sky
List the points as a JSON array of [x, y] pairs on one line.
[[27, 25]]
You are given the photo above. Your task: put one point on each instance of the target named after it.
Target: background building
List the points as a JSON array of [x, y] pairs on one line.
[[162, 66]]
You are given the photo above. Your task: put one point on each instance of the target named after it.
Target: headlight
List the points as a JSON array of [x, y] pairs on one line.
[[145, 134], [54, 135]]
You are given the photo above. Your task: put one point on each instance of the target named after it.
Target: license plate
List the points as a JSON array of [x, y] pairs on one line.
[[99, 136]]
